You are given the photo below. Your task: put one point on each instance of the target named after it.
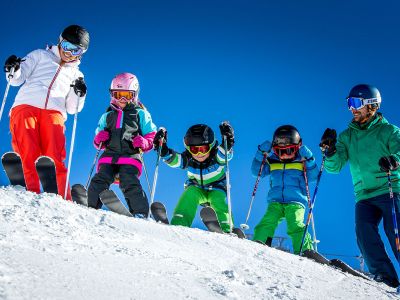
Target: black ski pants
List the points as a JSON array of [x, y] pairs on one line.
[[368, 214], [129, 184]]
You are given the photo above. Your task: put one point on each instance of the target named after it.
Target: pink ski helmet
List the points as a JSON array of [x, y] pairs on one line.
[[124, 82]]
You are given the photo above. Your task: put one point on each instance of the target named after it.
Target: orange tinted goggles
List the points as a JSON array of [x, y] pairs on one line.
[[123, 95], [196, 150]]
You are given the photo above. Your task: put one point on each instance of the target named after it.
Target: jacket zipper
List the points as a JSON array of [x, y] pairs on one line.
[[51, 84], [201, 175]]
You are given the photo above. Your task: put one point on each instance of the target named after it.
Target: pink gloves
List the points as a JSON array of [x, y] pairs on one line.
[[144, 142], [102, 137]]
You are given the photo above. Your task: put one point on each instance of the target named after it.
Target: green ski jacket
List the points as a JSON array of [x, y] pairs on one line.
[[363, 146]]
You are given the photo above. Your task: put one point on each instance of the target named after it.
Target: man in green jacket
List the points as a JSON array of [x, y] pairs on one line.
[[372, 147]]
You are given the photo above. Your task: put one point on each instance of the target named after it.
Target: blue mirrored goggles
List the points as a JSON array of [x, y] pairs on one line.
[[69, 47], [358, 103]]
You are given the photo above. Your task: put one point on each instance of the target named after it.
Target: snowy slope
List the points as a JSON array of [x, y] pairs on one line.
[[53, 249]]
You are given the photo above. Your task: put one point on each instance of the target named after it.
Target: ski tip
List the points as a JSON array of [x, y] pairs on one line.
[[10, 153], [44, 158]]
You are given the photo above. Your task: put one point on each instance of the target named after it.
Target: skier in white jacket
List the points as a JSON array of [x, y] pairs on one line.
[[52, 86]]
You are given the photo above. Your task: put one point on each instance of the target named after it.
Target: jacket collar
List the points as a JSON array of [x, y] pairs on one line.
[[375, 120]]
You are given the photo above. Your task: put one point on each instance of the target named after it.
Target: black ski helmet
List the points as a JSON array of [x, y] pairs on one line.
[[366, 91], [76, 35], [199, 134], [286, 135]]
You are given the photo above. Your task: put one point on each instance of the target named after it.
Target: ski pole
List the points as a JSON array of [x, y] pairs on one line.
[[315, 241], [395, 225], [153, 188], [245, 226], [93, 165], [71, 149], [313, 201], [145, 170], [10, 75], [228, 184]]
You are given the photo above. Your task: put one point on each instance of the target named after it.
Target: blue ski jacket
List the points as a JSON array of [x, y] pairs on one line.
[[287, 182]]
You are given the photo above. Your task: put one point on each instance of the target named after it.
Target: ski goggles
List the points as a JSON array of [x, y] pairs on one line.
[[285, 150], [358, 103], [199, 150], [71, 48], [120, 96]]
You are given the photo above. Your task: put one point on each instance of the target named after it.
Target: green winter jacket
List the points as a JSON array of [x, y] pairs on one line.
[[363, 146]]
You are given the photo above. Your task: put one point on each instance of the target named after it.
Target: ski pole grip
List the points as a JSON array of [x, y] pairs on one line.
[[11, 74]]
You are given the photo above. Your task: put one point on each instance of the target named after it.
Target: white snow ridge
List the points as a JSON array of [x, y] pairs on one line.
[[54, 249]]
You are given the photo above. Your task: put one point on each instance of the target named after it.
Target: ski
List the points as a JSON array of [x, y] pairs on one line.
[[159, 212], [79, 194], [315, 256], [46, 170], [335, 263], [341, 265], [239, 232], [113, 203], [209, 218], [12, 165]]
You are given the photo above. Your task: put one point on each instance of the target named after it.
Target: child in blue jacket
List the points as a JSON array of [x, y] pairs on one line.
[[287, 196]]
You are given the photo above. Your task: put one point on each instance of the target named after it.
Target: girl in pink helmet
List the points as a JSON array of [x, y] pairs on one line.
[[124, 132]]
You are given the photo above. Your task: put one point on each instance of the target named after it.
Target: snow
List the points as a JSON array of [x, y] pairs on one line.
[[54, 249]]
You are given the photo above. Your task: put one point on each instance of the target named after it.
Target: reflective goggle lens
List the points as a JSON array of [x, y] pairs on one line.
[[123, 95], [69, 47], [203, 149], [355, 103], [358, 103]]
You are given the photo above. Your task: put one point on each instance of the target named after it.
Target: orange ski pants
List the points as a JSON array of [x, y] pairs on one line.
[[37, 132]]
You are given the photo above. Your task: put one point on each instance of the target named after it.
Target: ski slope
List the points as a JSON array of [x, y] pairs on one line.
[[53, 249]]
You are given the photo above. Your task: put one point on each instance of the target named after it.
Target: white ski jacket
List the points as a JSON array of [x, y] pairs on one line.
[[47, 82]]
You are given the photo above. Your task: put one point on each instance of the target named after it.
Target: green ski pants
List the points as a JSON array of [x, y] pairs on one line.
[[192, 197], [294, 214]]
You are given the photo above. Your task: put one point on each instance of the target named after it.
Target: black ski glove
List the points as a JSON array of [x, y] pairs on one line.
[[80, 87], [161, 135], [12, 61], [328, 142], [388, 163], [227, 131]]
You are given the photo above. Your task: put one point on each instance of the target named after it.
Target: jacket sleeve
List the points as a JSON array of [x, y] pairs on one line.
[[101, 126], [147, 128], [312, 169], [394, 143], [145, 122], [256, 164], [102, 123], [73, 103], [336, 162], [176, 160], [27, 66], [221, 155]]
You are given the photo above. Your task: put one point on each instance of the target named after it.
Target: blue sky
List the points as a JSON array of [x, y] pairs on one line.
[[257, 64]]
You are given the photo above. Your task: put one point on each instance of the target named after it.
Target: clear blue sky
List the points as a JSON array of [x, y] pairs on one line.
[[257, 64]]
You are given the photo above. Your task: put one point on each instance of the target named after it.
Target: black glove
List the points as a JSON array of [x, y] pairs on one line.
[[80, 87], [12, 61], [161, 135], [328, 142], [227, 131], [388, 163]]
